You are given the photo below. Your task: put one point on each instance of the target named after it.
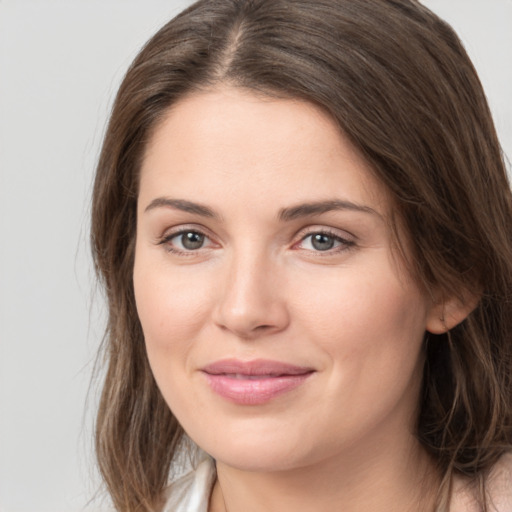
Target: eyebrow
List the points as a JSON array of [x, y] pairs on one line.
[[317, 208], [285, 214], [183, 205]]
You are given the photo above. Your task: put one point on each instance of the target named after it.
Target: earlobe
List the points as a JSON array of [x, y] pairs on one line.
[[447, 314]]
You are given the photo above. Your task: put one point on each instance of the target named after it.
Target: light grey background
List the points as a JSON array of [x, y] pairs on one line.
[[60, 64]]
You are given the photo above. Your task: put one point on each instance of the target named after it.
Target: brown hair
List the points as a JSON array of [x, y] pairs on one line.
[[399, 83]]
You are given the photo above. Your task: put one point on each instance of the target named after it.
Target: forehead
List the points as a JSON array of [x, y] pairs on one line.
[[234, 141]]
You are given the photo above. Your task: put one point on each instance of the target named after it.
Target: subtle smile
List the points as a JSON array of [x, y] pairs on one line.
[[254, 382]]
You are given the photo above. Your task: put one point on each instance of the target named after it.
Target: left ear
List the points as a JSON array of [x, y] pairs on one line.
[[446, 314]]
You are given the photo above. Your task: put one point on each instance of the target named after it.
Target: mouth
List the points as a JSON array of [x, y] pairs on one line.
[[254, 382]]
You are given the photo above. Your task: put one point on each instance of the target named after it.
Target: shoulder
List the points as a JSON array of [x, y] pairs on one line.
[[499, 485], [191, 491], [498, 490]]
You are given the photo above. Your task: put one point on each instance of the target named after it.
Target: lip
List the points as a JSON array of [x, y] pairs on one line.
[[254, 382]]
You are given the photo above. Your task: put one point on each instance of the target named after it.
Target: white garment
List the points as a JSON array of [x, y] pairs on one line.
[[191, 492]]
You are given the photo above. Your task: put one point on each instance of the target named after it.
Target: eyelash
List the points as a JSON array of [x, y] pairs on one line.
[[166, 240], [344, 244]]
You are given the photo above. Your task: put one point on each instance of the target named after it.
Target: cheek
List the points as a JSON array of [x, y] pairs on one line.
[[370, 325], [353, 302], [370, 330], [172, 308]]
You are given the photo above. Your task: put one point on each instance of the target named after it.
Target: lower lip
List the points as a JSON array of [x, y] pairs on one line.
[[254, 391]]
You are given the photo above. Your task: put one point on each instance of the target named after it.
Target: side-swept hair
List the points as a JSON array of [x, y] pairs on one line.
[[400, 85]]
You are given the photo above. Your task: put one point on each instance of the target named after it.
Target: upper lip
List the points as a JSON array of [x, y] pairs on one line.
[[263, 367]]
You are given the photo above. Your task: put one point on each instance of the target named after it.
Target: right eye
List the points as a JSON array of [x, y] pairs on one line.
[[186, 241]]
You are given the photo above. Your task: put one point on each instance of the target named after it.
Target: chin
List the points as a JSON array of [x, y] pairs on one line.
[[266, 450], [261, 459]]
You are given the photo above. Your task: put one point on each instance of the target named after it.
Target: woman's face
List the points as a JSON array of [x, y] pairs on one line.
[[280, 329]]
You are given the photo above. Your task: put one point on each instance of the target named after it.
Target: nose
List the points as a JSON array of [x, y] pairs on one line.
[[252, 300]]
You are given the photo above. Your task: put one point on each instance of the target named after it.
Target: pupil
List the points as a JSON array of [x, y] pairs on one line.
[[322, 242], [192, 240]]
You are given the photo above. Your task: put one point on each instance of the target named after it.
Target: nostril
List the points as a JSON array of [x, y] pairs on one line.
[[263, 328]]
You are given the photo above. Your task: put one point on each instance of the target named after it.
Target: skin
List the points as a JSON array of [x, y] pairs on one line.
[[259, 288]]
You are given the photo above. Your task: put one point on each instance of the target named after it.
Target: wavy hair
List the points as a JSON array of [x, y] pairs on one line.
[[401, 87]]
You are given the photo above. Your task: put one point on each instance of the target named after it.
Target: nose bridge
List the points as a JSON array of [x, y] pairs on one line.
[[251, 302]]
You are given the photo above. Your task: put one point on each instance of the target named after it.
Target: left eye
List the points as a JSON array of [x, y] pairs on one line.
[[188, 241], [323, 242]]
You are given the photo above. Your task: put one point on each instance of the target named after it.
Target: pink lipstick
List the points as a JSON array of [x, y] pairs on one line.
[[254, 382]]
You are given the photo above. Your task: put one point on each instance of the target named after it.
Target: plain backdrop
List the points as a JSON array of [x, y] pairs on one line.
[[60, 65]]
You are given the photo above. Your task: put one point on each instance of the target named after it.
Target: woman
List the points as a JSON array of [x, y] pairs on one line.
[[302, 220]]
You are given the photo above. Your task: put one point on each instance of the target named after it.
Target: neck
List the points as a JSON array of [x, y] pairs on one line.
[[387, 480]]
